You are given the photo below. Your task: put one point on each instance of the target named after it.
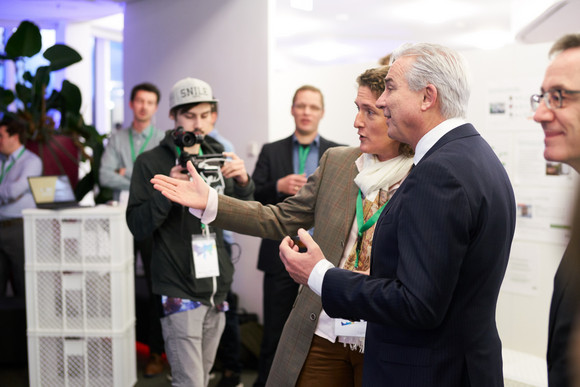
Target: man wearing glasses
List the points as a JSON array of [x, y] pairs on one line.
[[557, 109]]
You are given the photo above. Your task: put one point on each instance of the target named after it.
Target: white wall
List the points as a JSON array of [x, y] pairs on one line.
[[224, 43]]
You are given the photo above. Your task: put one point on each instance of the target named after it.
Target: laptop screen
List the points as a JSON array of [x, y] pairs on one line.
[[51, 189]]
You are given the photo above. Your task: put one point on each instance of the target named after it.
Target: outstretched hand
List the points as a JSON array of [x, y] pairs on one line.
[[300, 265], [191, 193]]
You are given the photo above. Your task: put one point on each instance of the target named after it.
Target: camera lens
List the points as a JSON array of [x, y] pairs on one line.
[[189, 139], [185, 139]]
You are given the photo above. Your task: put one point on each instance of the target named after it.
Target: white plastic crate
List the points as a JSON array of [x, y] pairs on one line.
[[91, 360], [80, 301], [77, 236]]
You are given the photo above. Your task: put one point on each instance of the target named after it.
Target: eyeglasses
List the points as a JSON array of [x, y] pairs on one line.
[[552, 98], [301, 106]]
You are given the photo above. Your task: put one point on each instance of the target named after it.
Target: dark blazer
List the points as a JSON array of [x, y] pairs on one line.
[[275, 162], [439, 255], [563, 312]]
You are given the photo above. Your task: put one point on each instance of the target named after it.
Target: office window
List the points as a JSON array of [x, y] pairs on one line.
[[9, 74], [2, 45], [108, 84], [116, 93]]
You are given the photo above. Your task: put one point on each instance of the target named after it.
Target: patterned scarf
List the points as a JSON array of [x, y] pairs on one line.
[[378, 182]]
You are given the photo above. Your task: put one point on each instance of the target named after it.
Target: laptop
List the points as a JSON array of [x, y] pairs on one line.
[[52, 192]]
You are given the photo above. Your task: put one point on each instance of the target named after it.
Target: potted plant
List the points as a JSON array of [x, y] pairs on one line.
[[60, 145]]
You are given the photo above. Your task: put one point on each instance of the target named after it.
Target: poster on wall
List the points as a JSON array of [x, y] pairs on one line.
[[523, 271], [509, 105], [544, 189], [543, 215]]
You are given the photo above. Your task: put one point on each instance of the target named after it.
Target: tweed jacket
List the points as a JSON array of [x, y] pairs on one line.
[[275, 162], [327, 202]]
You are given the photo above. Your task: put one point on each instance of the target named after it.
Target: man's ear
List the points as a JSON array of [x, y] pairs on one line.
[[429, 97], [213, 117]]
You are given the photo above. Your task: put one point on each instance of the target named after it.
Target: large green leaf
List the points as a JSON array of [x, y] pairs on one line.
[[40, 82], [61, 56], [72, 96], [25, 41], [23, 93], [6, 98], [42, 77]]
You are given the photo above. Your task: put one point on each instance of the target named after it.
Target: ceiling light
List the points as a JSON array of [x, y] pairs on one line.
[[485, 39], [324, 51], [433, 12], [290, 25], [304, 5]]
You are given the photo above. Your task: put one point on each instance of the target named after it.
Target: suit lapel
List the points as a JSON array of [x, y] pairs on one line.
[[465, 130], [352, 191], [324, 145], [286, 158], [339, 177]]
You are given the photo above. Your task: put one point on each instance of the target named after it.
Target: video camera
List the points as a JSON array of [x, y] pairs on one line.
[[208, 165]]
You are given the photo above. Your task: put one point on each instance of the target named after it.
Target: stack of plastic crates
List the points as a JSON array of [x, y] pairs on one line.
[[80, 300]]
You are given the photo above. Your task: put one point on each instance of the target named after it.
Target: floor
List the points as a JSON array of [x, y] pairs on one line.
[[13, 365], [17, 376]]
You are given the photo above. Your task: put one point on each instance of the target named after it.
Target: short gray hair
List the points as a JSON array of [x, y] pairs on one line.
[[442, 67]]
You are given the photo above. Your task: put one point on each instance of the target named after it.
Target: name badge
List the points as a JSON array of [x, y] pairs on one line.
[[205, 257], [349, 328]]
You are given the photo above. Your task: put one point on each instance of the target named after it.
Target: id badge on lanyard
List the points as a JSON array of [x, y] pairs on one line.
[[205, 257], [349, 328]]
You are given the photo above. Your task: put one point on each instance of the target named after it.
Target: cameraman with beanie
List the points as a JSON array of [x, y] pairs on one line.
[[191, 269]]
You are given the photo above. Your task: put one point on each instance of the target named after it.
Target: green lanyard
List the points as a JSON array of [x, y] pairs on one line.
[[4, 172], [133, 156], [303, 151], [179, 151], [362, 226]]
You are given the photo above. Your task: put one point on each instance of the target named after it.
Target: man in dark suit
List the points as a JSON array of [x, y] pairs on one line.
[[281, 170], [557, 108], [440, 247]]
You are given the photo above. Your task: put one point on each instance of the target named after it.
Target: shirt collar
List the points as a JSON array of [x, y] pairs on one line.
[[144, 133], [315, 142], [431, 137], [13, 155]]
